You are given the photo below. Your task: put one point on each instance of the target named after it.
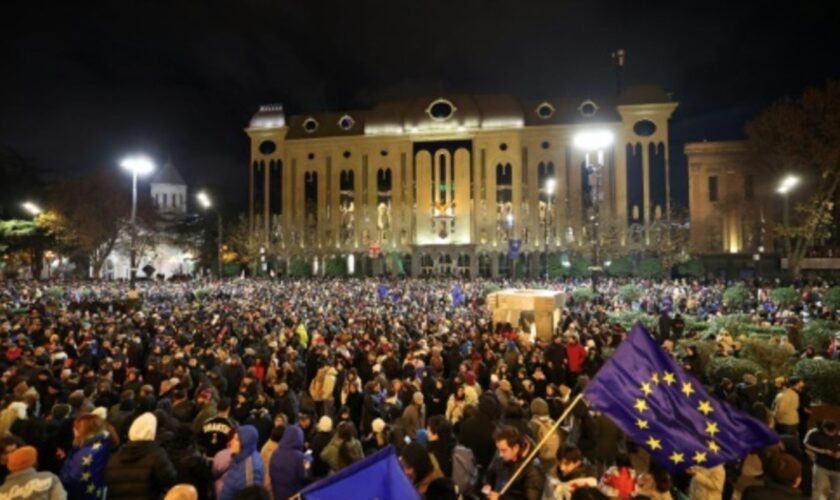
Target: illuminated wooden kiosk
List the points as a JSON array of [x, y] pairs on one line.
[[541, 308]]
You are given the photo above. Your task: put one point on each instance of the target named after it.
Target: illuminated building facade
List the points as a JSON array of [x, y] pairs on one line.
[[440, 185]]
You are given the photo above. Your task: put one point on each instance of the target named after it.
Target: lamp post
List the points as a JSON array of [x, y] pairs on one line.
[[137, 165], [549, 191], [509, 220], [206, 203], [784, 189], [594, 141]]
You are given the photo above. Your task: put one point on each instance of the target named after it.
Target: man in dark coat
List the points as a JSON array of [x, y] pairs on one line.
[[477, 431], [141, 469]]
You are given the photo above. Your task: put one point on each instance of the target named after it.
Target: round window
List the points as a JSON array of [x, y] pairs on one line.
[[644, 128], [384, 152], [545, 145], [545, 110], [310, 125], [311, 156], [346, 122], [588, 108], [440, 110], [267, 147], [347, 154], [503, 146]]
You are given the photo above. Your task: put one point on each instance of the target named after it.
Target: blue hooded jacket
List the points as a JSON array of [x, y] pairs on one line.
[[247, 459], [289, 467]]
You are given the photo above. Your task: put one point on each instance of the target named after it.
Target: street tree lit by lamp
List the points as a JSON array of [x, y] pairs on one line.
[[32, 208], [787, 184], [593, 140]]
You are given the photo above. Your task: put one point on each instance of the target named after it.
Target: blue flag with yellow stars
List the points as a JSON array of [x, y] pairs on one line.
[[667, 412]]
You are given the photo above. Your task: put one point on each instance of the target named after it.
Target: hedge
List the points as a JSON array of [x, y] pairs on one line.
[[832, 297], [583, 295], [629, 318], [818, 333], [736, 297], [629, 293], [775, 361], [785, 297], [822, 379], [732, 368]]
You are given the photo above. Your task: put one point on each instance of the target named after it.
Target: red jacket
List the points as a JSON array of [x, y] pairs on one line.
[[576, 354]]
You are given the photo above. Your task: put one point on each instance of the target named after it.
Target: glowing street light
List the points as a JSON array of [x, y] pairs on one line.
[[31, 207], [138, 166], [549, 191], [787, 184], [207, 204], [594, 141], [784, 189]]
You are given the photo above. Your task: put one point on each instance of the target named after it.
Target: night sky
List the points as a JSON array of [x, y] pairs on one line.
[[82, 83]]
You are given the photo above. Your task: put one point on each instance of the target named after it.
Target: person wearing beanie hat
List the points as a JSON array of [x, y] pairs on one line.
[[541, 425], [140, 468], [325, 424], [246, 465], [26, 482]]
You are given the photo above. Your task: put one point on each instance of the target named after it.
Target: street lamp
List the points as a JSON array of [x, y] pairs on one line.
[[138, 166], [594, 141], [31, 207], [784, 189], [549, 191], [206, 203]]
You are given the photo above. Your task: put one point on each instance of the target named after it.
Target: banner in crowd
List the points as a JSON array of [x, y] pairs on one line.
[[378, 476], [668, 412]]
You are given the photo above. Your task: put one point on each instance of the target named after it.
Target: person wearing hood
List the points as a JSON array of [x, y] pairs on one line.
[[246, 466], [289, 467], [24, 481], [141, 469]]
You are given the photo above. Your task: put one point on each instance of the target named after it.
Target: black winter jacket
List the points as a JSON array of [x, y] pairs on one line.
[[141, 470]]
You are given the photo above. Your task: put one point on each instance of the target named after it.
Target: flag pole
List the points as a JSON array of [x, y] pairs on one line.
[[540, 444]]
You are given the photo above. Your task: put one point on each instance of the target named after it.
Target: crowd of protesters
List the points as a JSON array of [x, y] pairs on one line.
[[255, 389]]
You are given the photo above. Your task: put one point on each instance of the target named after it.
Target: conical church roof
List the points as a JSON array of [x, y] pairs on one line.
[[168, 175]]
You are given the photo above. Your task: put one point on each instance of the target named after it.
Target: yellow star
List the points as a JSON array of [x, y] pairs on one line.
[[654, 378], [712, 428], [642, 424], [646, 388], [86, 476], [677, 457], [714, 447], [705, 408], [669, 378], [96, 446], [90, 489], [654, 444], [641, 405], [87, 460], [687, 389], [699, 457]]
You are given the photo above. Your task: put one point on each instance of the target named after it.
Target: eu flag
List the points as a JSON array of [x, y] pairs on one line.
[[666, 411], [457, 295], [378, 476], [382, 292]]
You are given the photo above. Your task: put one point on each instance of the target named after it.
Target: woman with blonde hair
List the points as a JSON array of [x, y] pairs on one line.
[[83, 473]]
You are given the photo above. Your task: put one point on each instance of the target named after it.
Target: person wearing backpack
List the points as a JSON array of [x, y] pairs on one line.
[[541, 425]]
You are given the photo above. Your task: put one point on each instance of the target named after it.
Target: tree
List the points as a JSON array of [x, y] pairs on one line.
[[736, 297], [26, 241], [785, 297], [803, 136], [692, 268], [90, 223], [238, 239]]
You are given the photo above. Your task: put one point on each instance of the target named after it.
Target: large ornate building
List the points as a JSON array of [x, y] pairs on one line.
[[443, 184]]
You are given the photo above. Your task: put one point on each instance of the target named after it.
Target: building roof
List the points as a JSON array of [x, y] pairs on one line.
[[168, 175], [455, 112]]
